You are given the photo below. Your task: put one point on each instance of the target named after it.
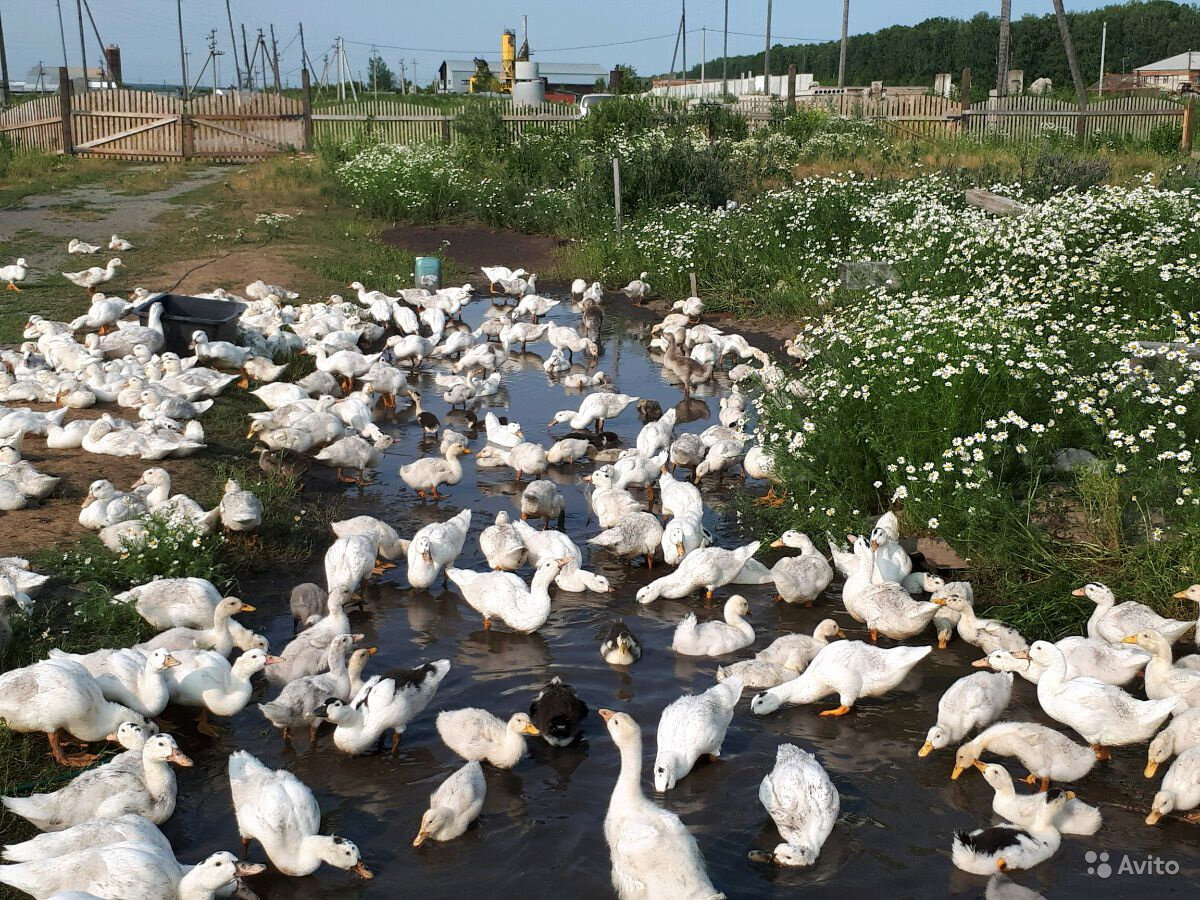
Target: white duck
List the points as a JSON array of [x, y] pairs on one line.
[[501, 544], [595, 410], [1114, 622], [690, 727], [1077, 817], [102, 314], [802, 802], [973, 701], [1180, 788], [549, 544], [986, 634], [800, 579], [425, 475], [207, 680], [1182, 734], [119, 244], [638, 534], [1103, 714], [985, 851], [435, 547], [348, 562], [105, 505], [638, 289], [1163, 677], [475, 734], [278, 810], [92, 833], [683, 534], [133, 678], [850, 669], [502, 435], [800, 649], [653, 855], [241, 511], [1046, 753], [306, 654], [92, 278], [217, 636], [707, 567], [455, 804], [382, 704], [715, 638], [110, 790], [504, 596], [610, 503], [541, 499], [60, 694], [14, 273]]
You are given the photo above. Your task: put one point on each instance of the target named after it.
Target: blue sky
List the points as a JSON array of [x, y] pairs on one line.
[[432, 30]]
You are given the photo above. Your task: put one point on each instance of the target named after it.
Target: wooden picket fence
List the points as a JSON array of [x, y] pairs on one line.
[[398, 122], [1026, 118]]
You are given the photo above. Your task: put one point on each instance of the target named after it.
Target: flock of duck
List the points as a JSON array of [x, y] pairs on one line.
[[101, 836]]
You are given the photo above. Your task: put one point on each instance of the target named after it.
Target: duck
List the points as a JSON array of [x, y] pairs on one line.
[[355, 452], [477, 735], [631, 469], [803, 803], [800, 649], [759, 674], [986, 634], [130, 870], [715, 638], [1115, 664], [501, 545], [435, 547], [692, 726], [278, 810], [578, 381], [851, 669], [534, 305], [1182, 734], [156, 406], [548, 544], [884, 606], [105, 505], [541, 500], [60, 694], [502, 434], [306, 653], [638, 534], [382, 704], [455, 804], [95, 276], [800, 579], [721, 455], [92, 833], [1046, 753], [683, 367], [687, 451], [637, 290], [427, 474], [653, 854], [733, 407], [595, 410], [683, 534], [678, 497], [1163, 677], [620, 647], [128, 336], [557, 713], [1180, 788], [388, 543], [110, 790], [1076, 817], [527, 458], [154, 486], [1007, 847], [344, 364], [892, 560], [500, 274], [294, 706], [119, 243], [428, 421], [973, 701], [241, 511], [570, 450], [181, 603], [218, 354], [13, 274], [610, 503], [1103, 714], [707, 567], [131, 677], [206, 679], [102, 314], [504, 596], [1114, 622], [217, 636]]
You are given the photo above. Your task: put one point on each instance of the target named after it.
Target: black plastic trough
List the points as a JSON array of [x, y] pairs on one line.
[[183, 315]]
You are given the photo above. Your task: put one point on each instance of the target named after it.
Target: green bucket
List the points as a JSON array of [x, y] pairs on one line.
[[427, 273]]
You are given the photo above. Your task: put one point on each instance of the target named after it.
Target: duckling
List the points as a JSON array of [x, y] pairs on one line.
[[971, 702], [475, 734], [803, 803], [455, 804], [638, 534], [542, 500], [1180, 789], [1004, 847], [428, 421], [649, 410], [1182, 734], [637, 290], [570, 450], [620, 647], [306, 600], [557, 712], [1077, 817], [715, 638], [692, 726]]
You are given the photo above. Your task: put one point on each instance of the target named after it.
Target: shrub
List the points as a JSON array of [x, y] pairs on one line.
[[481, 130], [1165, 139], [1055, 172]]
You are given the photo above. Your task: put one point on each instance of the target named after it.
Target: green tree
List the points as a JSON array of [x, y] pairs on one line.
[[379, 76]]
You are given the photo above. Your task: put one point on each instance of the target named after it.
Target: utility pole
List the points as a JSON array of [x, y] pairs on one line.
[[403, 86], [1103, 47], [305, 62], [845, 31], [767, 55], [1002, 48], [96, 31], [1080, 90], [275, 59], [725, 55], [246, 60], [261, 45], [82, 47], [233, 40], [182, 52], [3, 68], [415, 80], [62, 35], [683, 32], [703, 54], [373, 67]]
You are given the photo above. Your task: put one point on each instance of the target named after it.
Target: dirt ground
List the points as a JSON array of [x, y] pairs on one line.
[[472, 246]]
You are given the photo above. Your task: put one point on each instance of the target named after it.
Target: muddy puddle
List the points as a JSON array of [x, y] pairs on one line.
[[540, 834]]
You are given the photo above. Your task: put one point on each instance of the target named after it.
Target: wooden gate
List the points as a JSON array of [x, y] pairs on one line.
[[127, 125], [232, 127]]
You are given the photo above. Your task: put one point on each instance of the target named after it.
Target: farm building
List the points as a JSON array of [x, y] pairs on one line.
[[1172, 73], [454, 75]]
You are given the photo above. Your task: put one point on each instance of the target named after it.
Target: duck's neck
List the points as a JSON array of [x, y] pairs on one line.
[[158, 778], [540, 588], [1056, 670], [629, 781], [196, 884], [160, 494], [735, 620], [111, 717]]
